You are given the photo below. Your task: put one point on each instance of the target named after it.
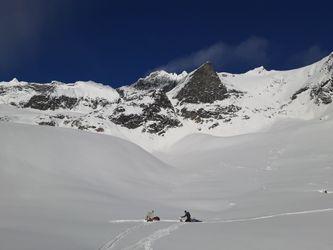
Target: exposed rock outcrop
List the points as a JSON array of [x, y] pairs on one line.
[[155, 116], [323, 93], [45, 102], [301, 90], [219, 113], [203, 86]]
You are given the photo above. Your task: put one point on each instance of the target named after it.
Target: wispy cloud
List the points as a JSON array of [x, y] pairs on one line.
[[306, 57], [252, 51]]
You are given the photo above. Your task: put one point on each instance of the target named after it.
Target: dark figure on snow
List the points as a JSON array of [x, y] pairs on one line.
[[151, 216], [187, 216]]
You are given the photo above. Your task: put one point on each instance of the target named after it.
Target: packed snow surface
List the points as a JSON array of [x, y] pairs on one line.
[[67, 189]]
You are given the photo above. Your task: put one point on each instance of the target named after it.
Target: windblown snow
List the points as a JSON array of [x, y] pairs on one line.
[[256, 183]]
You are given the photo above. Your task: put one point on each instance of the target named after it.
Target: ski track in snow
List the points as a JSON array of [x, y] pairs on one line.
[[110, 244], [131, 221], [125, 221], [147, 242], [273, 216]]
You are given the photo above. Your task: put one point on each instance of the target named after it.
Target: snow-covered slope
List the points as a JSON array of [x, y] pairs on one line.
[[67, 189], [250, 154], [161, 108], [89, 90], [58, 186]]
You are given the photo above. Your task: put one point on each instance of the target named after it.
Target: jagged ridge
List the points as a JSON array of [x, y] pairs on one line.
[[202, 100]]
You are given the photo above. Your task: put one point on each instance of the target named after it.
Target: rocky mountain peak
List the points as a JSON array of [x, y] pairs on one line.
[[202, 86], [14, 80], [330, 62], [162, 101], [159, 80], [322, 91], [258, 70]]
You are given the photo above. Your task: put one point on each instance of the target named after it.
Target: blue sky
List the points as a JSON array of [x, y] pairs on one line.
[[116, 43]]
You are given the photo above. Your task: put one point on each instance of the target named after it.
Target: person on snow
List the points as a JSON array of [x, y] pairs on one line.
[[187, 216], [150, 216]]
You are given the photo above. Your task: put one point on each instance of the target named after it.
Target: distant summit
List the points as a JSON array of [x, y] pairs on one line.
[[202, 86]]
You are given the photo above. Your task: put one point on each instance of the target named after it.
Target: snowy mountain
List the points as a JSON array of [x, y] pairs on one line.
[[164, 107], [248, 154]]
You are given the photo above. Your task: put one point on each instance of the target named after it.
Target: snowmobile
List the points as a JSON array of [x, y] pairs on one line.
[[151, 216], [187, 218], [156, 218], [192, 220]]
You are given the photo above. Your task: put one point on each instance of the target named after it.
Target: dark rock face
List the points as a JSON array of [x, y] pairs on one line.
[[80, 125], [50, 123], [95, 103], [120, 92], [323, 93], [234, 92], [328, 65], [152, 119], [155, 123], [301, 90], [161, 124], [59, 116], [45, 102], [220, 113], [100, 129], [40, 88], [152, 113], [2, 90], [204, 86], [161, 101], [130, 121], [42, 98]]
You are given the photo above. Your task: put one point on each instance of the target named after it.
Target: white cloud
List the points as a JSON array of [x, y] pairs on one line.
[[252, 51]]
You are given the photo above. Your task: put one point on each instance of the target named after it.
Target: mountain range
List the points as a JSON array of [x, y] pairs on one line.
[[162, 107]]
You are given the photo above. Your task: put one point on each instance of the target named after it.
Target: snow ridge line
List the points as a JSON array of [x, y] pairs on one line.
[[273, 216], [110, 244], [148, 241], [132, 221], [126, 221]]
